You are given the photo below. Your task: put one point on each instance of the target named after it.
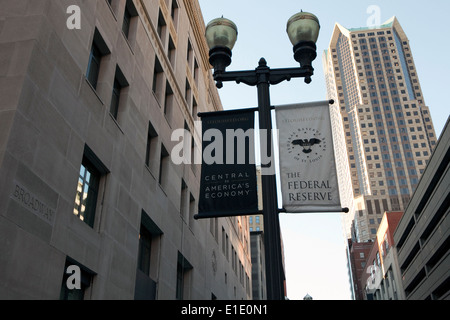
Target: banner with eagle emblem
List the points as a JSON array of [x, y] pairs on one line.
[[307, 162]]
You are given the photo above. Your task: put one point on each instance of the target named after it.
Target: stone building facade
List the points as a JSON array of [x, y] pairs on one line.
[[91, 93]]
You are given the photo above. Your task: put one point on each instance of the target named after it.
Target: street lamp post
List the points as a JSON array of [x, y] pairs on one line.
[[221, 35]]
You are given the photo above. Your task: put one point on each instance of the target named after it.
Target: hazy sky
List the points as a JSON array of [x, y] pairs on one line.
[[314, 243]]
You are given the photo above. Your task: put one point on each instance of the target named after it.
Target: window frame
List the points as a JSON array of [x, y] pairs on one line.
[[92, 164], [98, 51], [120, 83]]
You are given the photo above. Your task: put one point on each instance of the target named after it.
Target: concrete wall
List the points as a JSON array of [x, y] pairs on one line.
[[50, 112]]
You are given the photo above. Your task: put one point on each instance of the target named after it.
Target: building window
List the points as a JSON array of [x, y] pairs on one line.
[[119, 83], [158, 76], [162, 27], [145, 249], [386, 242], [163, 167], [190, 54], [87, 192], [130, 13], [94, 65], [168, 102], [149, 233], [188, 93], [174, 13], [223, 240], [192, 209], [183, 199], [98, 50], [69, 289], [196, 71], [148, 255], [114, 6], [183, 268], [114, 108], [91, 172], [126, 21], [171, 52]]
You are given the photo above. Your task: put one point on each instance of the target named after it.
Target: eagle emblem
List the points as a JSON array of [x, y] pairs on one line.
[[306, 144]]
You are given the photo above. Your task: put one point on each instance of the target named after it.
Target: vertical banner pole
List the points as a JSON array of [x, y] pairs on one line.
[[272, 239]]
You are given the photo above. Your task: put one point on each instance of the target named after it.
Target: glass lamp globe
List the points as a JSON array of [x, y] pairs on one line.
[[221, 32], [303, 26]]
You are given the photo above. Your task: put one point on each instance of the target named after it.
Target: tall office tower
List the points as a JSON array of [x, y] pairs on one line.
[[381, 113], [87, 183]]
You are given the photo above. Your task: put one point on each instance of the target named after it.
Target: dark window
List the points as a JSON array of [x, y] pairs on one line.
[[149, 232], [163, 166], [85, 281], [171, 53], [168, 102], [94, 65], [151, 144], [145, 245], [114, 110], [126, 22], [192, 210], [183, 267], [161, 28], [149, 238], [119, 83], [369, 206], [98, 50], [130, 12], [188, 93], [190, 53], [183, 199], [174, 13], [158, 74]]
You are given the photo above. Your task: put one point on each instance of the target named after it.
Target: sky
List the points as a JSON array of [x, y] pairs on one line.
[[314, 244]]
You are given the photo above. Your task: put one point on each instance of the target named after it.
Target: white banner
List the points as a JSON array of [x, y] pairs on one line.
[[307, 165]]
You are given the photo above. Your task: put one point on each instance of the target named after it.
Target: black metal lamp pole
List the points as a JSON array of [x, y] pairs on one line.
[[262, 77]]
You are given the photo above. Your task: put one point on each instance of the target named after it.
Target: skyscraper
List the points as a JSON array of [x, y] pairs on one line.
[[381, 118]]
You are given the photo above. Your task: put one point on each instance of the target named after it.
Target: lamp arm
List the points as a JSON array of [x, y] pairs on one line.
[[279, 75], [248, 77]]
